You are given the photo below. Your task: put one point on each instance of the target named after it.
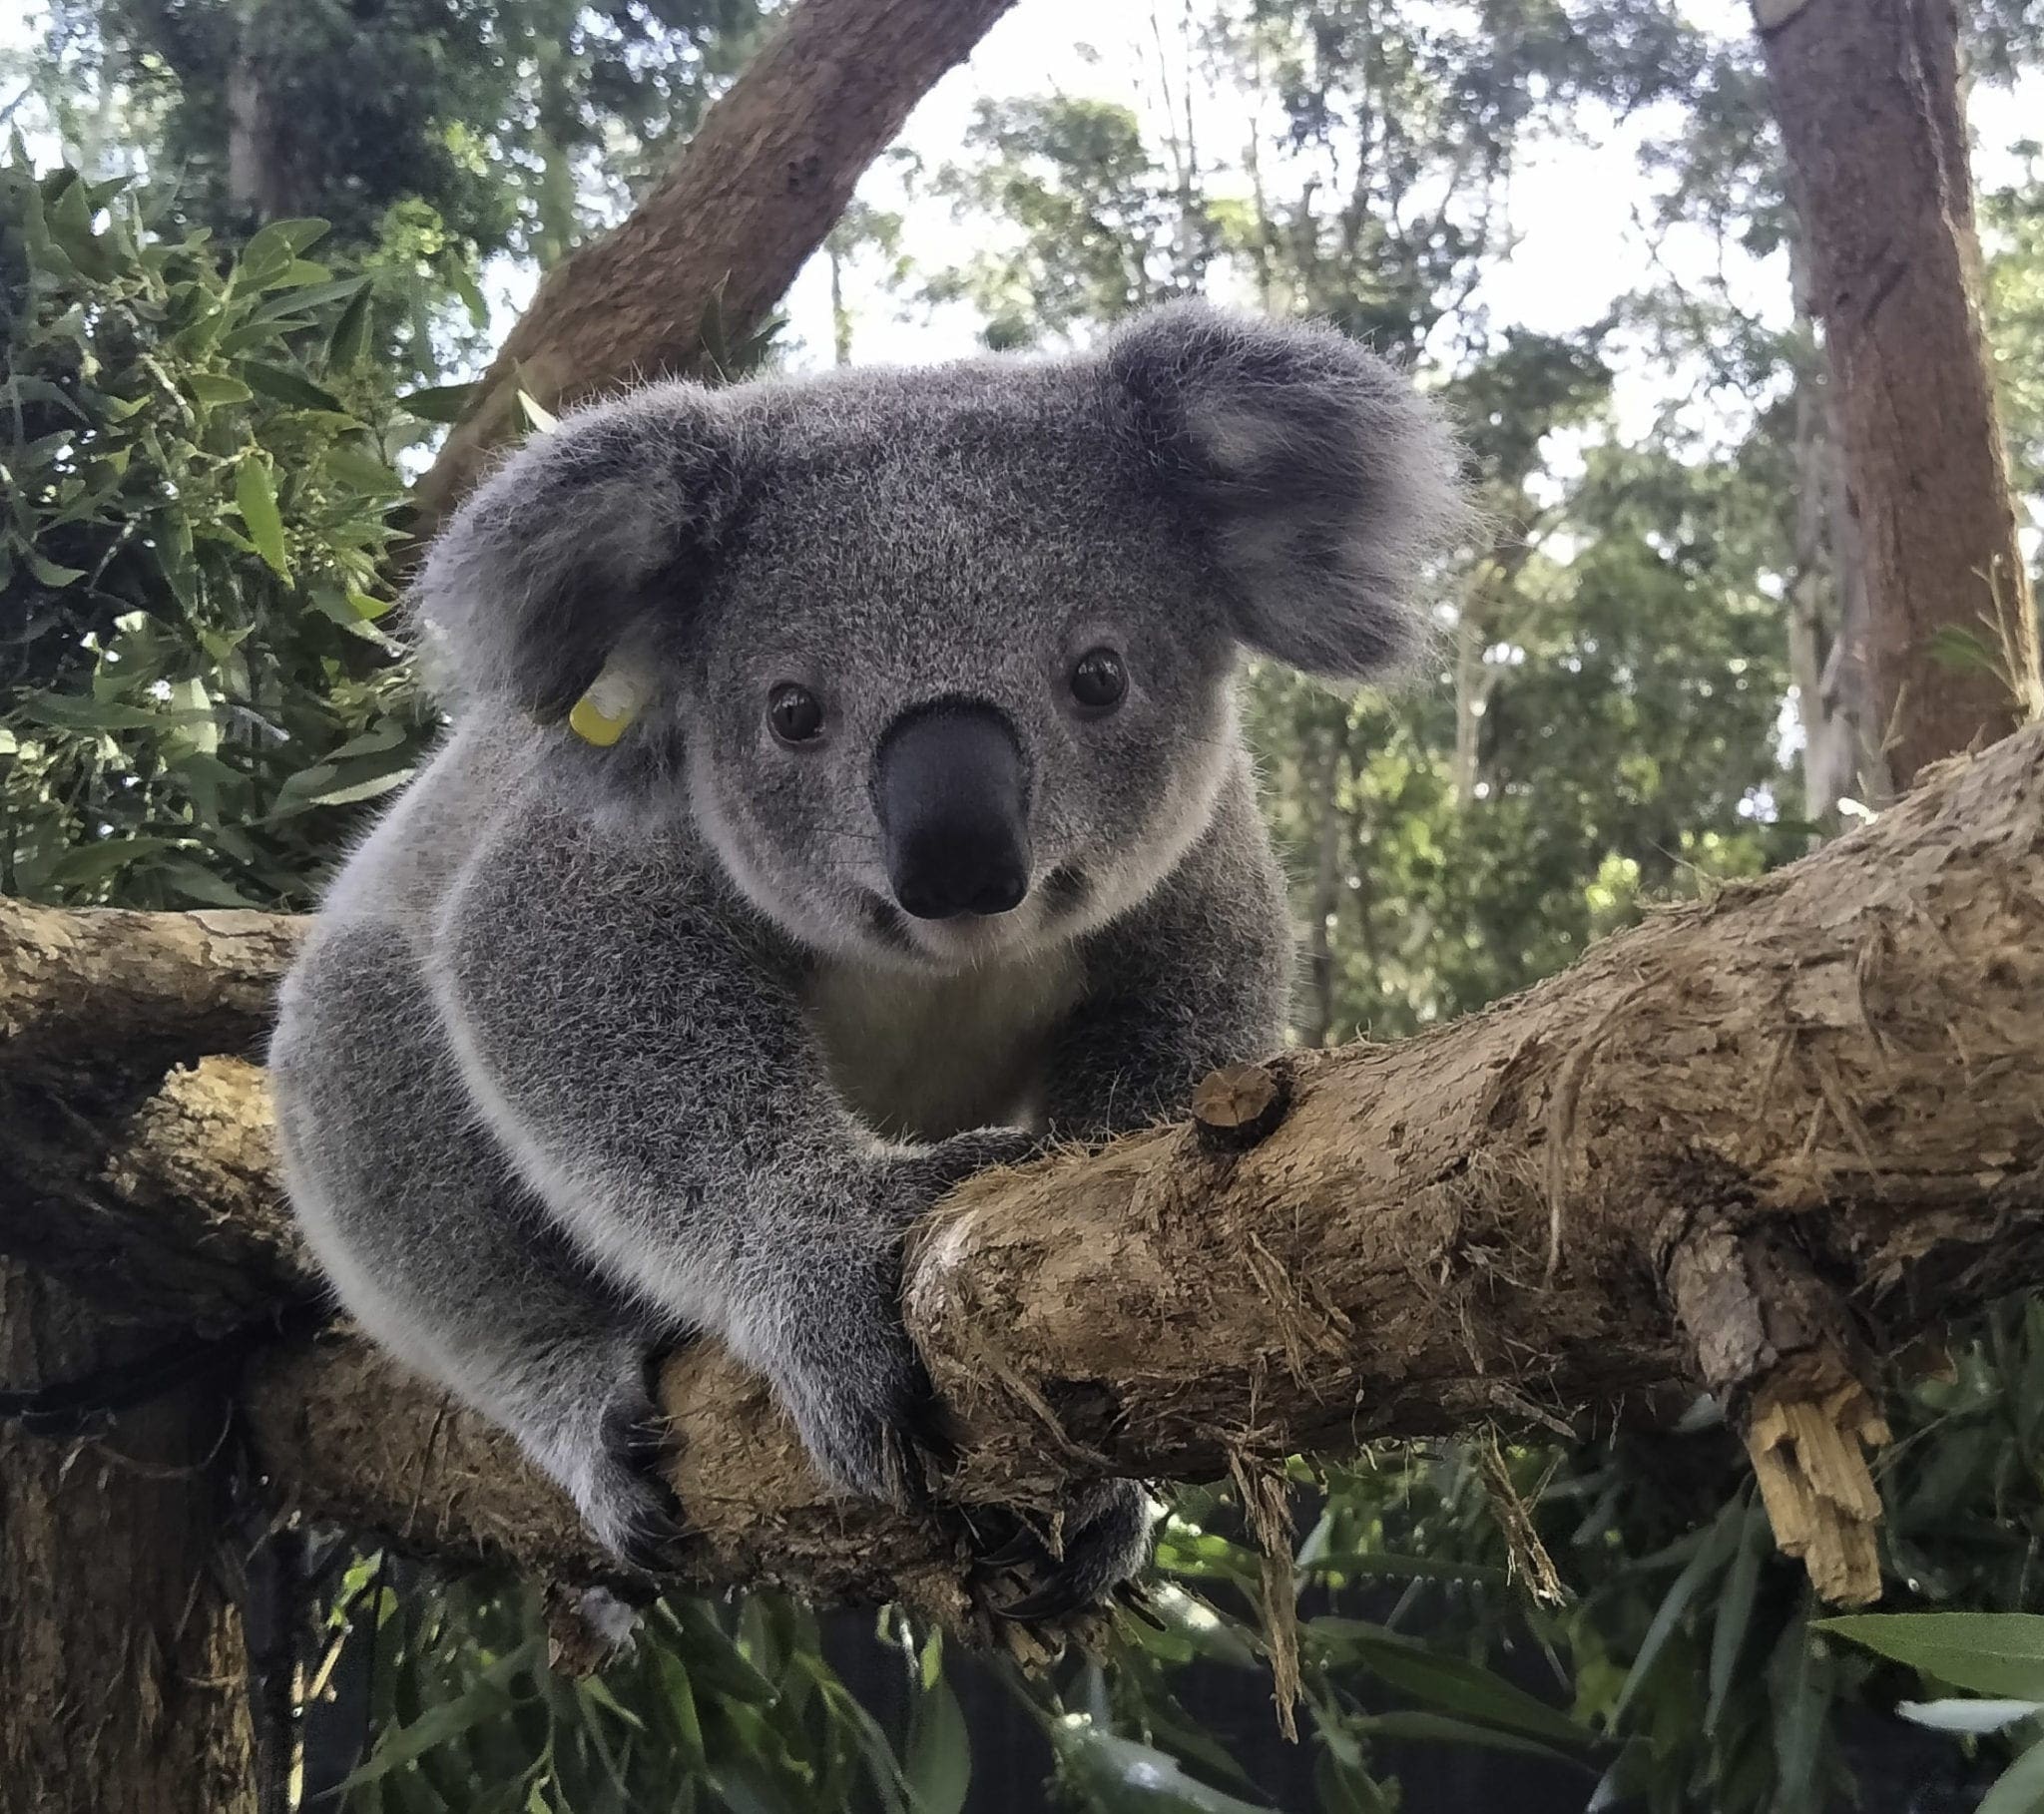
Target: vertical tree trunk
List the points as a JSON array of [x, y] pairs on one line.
[[1867, 95], [1827, 631], [840, 314], [1327, 896], [122, 1677], [1473, 684]]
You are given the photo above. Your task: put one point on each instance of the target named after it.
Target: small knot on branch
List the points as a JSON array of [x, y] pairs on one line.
[[1237, 1106]]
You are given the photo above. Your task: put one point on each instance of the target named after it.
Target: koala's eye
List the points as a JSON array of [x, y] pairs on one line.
[[1099, 679], [795, 713]]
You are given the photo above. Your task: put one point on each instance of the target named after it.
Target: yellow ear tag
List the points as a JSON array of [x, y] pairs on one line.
[[605, 713]]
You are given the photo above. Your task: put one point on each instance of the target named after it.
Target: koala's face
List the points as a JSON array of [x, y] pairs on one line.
[[959, 687], [941, 661]]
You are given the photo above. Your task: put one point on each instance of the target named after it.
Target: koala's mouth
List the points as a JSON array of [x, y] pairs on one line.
[[964, 940]]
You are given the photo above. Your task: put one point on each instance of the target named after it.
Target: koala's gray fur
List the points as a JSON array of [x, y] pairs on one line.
[[592, 1048]]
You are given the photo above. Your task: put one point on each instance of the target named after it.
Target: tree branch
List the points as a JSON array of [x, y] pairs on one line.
[[701, 261], [1805, 1110]]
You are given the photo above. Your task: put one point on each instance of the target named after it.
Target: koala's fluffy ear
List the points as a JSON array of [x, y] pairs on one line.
[[1319, 478], [599, 525]]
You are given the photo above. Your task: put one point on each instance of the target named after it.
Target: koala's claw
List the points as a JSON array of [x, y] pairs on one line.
[[627, 1495], [1107, 1541]]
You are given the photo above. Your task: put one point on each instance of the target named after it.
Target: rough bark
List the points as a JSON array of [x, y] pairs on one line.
[[1869, 100], [1835, 1066], [120, 1645], [701, 261]]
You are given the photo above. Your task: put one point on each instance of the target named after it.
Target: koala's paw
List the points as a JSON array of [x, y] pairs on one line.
[[931, 1170], [610, 1450], [1104, 1544], [870, 1421]]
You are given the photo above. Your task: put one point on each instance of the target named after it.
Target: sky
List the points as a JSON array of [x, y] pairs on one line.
[[1578, 205]]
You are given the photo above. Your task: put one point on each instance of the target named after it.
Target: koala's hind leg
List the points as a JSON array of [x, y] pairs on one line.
[[438, 1251]]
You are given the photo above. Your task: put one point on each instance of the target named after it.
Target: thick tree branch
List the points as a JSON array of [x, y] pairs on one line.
[[1826, 1077], [699, 264]]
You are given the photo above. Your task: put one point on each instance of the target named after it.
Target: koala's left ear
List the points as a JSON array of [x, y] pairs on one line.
[[1321, 479], [605, 526]]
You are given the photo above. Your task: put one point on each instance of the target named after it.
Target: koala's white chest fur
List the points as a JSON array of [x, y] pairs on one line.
[[925, 1056]]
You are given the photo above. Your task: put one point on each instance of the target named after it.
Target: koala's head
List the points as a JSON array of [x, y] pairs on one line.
[[941, 661]]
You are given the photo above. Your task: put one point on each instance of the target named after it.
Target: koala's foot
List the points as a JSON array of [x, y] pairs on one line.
[[597, 1430], [1106, 1542]]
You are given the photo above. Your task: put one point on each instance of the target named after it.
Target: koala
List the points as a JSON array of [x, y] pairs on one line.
[[931, 836]]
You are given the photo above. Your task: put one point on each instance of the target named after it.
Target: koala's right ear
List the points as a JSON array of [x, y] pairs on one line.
[[602, 525]]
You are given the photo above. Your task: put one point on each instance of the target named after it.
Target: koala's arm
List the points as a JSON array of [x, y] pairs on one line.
[[637, 1041], [1198, 976]]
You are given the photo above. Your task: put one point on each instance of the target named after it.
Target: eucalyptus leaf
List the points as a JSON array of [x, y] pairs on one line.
[[1999, 1653], [255, 498]]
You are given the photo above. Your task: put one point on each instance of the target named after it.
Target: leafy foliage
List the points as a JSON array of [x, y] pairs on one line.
[[193, 685]]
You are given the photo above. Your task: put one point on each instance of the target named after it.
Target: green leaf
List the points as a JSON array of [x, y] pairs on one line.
[[1710, 1556], [713, 1661], [196, 883], [1735, 1609], [92, 864], [1962, 649], [349, 341], [1451, 1683], [437, 402], [314, 295], [350, 792], [1799, 1684], [255, 498], [216, 388], [937, 1759], [48, 574], [1999, 1654], [1134, 1774], [460, 280], [281, 242], [487, 1698], [1444, 1729], [2020, 1788], [1346, 1790], [71, 712], [1375, 1564], [290, 387]]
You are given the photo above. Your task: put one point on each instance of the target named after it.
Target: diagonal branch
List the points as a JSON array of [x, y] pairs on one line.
[[713, 247], [1804, 1111]]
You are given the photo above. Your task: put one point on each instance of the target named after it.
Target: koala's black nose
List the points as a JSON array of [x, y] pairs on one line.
[[954, 810]]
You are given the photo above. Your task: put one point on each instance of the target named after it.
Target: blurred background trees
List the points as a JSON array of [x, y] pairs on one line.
[[1650, 679]]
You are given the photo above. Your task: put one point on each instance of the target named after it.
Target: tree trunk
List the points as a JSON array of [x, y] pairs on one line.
[[121, 1650], [1867, 96], [1329, 824], [1472, 690], [1718, 1150], [694, 271]]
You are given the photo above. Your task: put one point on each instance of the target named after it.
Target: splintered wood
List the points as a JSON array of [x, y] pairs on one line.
[[1774, 1344], [1810, 1455]]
